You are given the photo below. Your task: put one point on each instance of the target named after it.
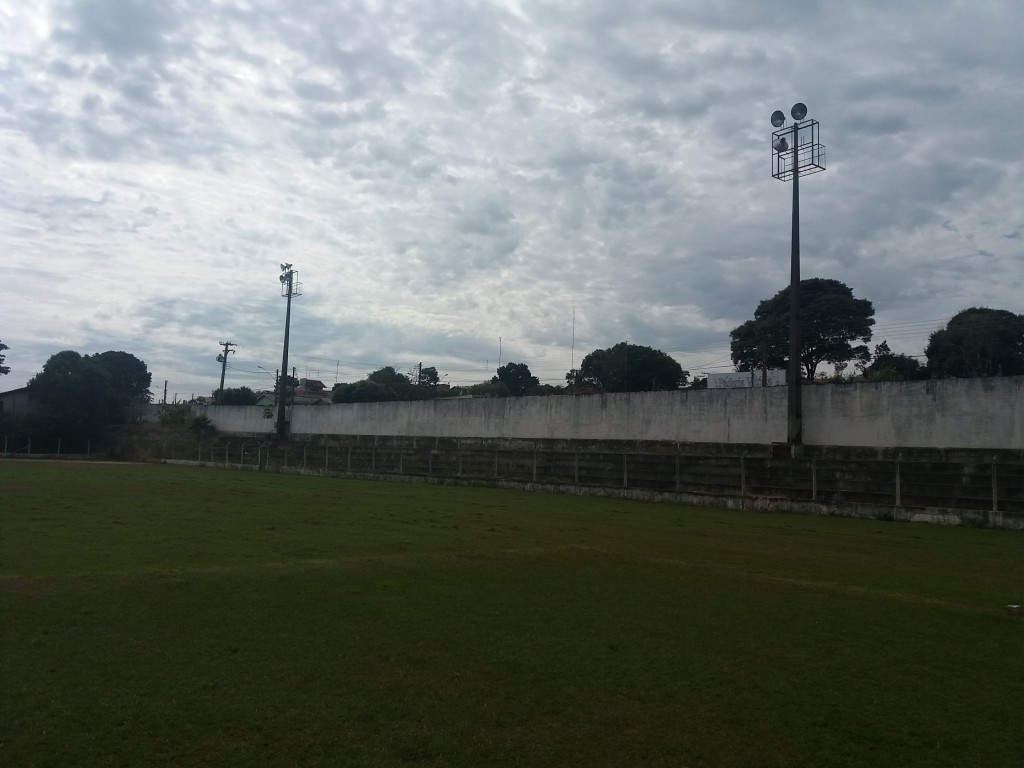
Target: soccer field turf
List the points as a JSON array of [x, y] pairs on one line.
[[169, 616]]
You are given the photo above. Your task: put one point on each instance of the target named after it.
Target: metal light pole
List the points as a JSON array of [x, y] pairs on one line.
[[289, 287], [795, 152], [223, 360]]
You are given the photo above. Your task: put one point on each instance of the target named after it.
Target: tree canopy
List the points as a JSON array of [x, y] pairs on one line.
[[978, 341], [628, 368], [887, 365], [831, 320], [517, 378], [236, 396], [386, 384], [82, 395], [4, 369]]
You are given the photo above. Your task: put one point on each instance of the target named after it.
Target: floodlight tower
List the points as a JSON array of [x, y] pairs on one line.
[[289, 287], [223, 360], [795, 152]]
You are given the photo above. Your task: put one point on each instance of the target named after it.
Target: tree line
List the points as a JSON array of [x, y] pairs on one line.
[[836, 326]]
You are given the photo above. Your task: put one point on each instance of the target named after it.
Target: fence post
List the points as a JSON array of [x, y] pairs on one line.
[[625, 471], [899, 490], [743, 475], [327, 456], [995, 488]]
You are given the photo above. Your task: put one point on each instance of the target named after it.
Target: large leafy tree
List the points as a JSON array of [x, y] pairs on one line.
[[80, 396], [978, 341], [74, 396], [129, 382], [517, 378], [832, 320], [628, 368]]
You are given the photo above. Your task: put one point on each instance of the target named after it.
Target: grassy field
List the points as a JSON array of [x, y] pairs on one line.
[[165, 616]]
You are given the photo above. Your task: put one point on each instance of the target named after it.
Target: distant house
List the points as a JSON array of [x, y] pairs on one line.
[[15, 404], [312, 392], [266, 397]]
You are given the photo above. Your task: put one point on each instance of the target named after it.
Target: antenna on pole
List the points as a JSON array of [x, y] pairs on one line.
[[572, 352]]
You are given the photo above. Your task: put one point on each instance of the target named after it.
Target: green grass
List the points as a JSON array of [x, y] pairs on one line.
[[164, 616]]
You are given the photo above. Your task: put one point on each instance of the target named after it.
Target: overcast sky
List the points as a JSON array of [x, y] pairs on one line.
[[446, 173]]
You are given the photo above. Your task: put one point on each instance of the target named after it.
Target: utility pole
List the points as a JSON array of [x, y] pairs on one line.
[[223, 360]]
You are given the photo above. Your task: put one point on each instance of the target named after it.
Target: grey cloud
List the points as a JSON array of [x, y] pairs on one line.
[[121, 29]]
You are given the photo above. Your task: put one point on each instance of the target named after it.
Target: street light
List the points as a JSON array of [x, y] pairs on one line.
[[272, 376], [289, 287], [796, 152]]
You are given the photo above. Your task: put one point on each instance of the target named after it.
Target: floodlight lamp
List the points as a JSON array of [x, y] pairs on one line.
[[778, 118], [799, 111], [780, 144], [283, 279]]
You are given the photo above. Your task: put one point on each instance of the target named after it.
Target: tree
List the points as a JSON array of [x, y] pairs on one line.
[[396, 385], [129, 382], [889, 366], [236, 396], [831, 319], [81, 396], [4, 369], [427, 377], [978, 341], [517, 378], [364, 391], [628, 368], [74, 394]]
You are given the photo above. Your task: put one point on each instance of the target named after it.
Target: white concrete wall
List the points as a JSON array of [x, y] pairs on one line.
[[948, 413], [944, 413]]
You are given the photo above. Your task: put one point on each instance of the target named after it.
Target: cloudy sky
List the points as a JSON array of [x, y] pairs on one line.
[[446, 174]]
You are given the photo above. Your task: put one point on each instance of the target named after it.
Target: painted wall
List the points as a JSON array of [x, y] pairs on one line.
[[947, 413]]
